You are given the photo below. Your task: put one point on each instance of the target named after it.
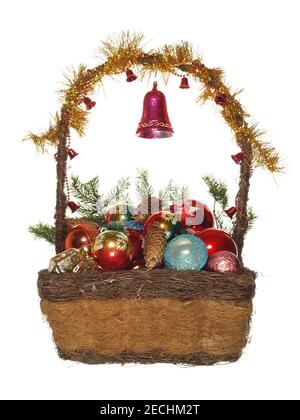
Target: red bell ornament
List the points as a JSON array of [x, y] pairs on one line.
[[130, 76], [72, 154], [217, 240], [184, 84], [239, 157], [231, 212], [73, 206], [89, 104], [155, 122]]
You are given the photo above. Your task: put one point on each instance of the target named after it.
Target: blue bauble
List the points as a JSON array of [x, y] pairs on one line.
[[186, 252], [131, 224]]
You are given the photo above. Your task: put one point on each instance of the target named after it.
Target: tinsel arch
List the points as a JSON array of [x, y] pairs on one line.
[[126, 51]]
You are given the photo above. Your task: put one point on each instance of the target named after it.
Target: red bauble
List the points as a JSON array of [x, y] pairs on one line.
[[112, 250], [81, 234], [137, 239], [217, 240], [193, 214], [223, 262]]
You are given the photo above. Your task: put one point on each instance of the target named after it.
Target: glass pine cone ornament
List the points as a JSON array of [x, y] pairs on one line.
[[223, 262], [66, 261], [168, 223], [80, 235], [155, 122], [112, 250], [217, 240], [119, 213], [193, 214], [186, 252]]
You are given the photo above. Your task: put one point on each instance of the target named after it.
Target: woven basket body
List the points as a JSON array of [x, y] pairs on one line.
[[168, 316]]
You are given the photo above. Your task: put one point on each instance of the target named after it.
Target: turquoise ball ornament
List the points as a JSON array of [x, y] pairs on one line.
[[186, 252]]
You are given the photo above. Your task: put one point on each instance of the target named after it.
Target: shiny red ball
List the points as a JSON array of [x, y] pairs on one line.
[[193, 214], [137, 239], [223, 262], [109, 260], [80, 235], [217, 240]]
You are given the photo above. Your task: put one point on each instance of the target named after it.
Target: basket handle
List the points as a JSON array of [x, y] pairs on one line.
[[241, 222]]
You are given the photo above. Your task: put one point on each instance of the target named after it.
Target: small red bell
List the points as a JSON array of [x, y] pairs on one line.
[[239, 157], [231, 212], [88, 103], [72, 154], [184, 84], [130, 76], [73, 206], [221, 99]]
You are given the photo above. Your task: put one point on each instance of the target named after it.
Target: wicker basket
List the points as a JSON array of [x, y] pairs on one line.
[[168, 316], [160, 315]]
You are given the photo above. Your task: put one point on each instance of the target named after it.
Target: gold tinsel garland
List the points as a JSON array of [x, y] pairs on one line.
[[126, 51]]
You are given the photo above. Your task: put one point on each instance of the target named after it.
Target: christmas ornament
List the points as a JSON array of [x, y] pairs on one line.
[[223, 262], [133, 225], [167, 222], [86, 265], [192, 213], [136, 264], [66, 261], [82, 234], [239, 157], [137, 239], [154, 245], [130, 76], [155, 121], [73, 206], [217, 240], [221, 99], [119, 226], [184, 84], [231, 212], [186, 252], [119, 213], [112, 250], [149, 205], [72, 154], [88, 103]]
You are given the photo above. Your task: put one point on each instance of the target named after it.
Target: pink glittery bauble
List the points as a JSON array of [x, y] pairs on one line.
[[223, 262]]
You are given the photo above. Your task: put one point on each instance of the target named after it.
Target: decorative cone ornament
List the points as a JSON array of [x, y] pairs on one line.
[[155, 121], [231, 212], [130, 76], [184, 84], [239, 157], [73, 206], [72, 154]]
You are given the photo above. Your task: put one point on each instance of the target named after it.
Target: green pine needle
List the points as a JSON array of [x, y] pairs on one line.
[[43, 231], [217, 189]]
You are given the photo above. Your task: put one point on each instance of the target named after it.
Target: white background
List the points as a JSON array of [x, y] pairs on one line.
[[257, 44]]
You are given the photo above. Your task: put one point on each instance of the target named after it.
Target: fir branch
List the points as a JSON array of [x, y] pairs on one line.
[[217, 190], [87, 194], [252, 217], [118, 193], [43, 231], [172, 193], [143, 187]]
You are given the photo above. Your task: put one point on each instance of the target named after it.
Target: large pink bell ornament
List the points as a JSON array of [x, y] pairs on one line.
[[155, 121]]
